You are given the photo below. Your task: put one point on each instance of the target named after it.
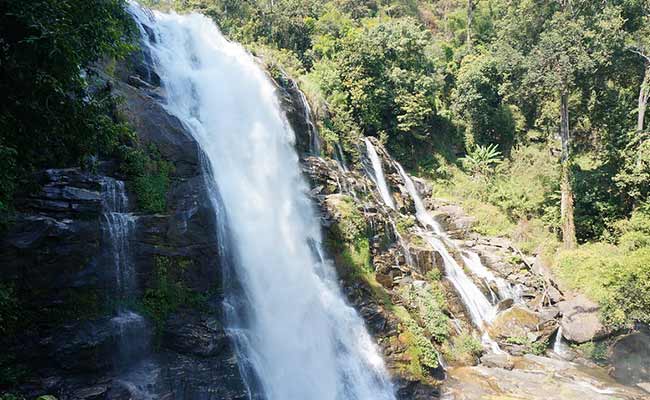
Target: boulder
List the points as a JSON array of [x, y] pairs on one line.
[[581, 320], [630, 358], [515, 322]]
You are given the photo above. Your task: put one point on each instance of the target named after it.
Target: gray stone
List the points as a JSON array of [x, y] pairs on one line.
[[493, 360], [581, 320]]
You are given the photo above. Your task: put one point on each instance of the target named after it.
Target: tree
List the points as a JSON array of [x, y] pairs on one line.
[[573, 43], [640, 45], [470, 17]]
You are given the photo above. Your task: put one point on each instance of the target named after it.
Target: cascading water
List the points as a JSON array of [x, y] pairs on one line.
[[378, 177], [314, 137], [293, 328], [560, 347], [119, 225], [480, 308], [504, 289]]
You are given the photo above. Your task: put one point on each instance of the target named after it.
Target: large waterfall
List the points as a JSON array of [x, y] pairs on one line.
[[292, 327]]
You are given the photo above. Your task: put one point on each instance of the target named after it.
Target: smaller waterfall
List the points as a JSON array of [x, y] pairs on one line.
[[505, 290], [314, 137], [339, 156], [379, 178], [560, 347], [421, 213], [119, 226]]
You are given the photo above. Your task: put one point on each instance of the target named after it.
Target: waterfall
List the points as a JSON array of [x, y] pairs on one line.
[[378, 174], [119, 225], [505, 290], [421, 213], [481, 310], [296, 337]]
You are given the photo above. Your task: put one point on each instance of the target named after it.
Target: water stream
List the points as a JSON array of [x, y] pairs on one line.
[[296, 337]]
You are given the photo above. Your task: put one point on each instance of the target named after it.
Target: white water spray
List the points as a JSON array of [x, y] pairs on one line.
[[298, 335]]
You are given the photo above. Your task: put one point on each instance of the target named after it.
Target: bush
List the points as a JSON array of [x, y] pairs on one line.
[[428, 303], [618, 280]]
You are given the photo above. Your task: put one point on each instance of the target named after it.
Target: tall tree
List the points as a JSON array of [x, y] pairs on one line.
[[470, 17], [574, 42], [640, 45]]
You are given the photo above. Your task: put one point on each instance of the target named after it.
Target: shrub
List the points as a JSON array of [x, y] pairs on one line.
[[618, 280]]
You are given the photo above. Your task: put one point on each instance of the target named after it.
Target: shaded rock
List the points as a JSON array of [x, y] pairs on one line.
[[630, 358], [581, 320], [505, 304], [98, 392], [644, 386]]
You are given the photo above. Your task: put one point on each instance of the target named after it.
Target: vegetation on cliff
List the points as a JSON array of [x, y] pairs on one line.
[[48, 116]]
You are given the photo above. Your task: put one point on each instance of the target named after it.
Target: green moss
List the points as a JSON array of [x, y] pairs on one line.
[[594, 351], [168, 293]]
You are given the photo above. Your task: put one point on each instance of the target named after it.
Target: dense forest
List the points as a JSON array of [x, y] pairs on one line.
[[530, 114]]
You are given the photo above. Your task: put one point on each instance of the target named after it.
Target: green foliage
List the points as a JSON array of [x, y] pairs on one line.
[[429, 304], [150, 176], [482, 159], [48, 117], [9, 310], [420, 350], [463, 348], [480, 105]]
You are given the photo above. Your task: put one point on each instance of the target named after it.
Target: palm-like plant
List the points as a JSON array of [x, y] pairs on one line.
[[482, 160]]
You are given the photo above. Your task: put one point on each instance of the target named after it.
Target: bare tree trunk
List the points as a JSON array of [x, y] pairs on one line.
[[470, 18], [566, 205], [644, 95]]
